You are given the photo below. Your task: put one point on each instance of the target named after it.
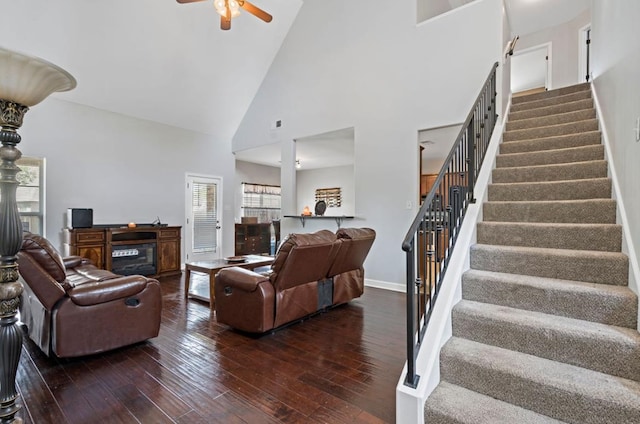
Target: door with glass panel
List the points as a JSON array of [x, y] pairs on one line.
[[203, 238]]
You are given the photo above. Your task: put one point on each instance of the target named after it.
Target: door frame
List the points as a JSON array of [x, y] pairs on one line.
[[548, 47], [582, 53], [188, 237]]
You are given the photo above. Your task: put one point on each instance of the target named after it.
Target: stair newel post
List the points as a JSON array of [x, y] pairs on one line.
[[412, 378], [11, 115]]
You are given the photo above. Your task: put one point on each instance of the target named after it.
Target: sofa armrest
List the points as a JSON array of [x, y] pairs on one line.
[[74, 261], [108, 290], [240, 278]]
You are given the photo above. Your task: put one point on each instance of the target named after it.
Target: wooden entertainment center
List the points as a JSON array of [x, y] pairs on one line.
[[146, 249]]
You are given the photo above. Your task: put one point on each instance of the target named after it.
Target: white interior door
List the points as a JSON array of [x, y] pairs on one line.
[[203, 238], [530, 68]]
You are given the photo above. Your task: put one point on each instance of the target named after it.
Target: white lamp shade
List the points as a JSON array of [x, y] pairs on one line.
[[28, 80]]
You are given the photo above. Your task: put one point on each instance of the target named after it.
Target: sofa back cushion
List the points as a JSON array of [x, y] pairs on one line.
[[355, 244], [45, 255], [42, 269], [303, 258]]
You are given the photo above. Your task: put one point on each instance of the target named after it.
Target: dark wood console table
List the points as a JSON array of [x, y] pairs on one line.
[[99, 243]]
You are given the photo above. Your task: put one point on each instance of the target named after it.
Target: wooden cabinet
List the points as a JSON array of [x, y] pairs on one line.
[[253, 239], [169, 250], [88, 243], [104, 245]]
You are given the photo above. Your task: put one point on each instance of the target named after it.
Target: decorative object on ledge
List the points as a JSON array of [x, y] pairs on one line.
[[24, 82], [331, 196], [306, 211], [321, 206], [303, 218]]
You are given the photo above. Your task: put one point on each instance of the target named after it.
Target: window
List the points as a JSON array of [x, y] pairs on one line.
[[205, 219], [261, 201], [30, 194]]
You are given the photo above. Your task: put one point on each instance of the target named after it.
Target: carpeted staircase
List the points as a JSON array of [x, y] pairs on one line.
[[546, 330]]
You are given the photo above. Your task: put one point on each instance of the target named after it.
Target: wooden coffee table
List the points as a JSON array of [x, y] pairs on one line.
[[213, 267]]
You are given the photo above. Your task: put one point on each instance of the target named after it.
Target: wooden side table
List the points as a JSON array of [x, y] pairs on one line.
[[213, 267]]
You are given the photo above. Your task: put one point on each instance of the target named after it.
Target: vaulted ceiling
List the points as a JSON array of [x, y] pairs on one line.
[[153, 59], [168, 62]]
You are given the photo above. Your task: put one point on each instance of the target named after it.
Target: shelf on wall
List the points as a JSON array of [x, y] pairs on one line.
[[303, 218]]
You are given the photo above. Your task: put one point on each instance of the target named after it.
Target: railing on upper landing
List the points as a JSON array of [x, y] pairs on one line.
[[433, 233]]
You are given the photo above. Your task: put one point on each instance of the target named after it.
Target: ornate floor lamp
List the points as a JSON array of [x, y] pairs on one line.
[[24, 81]]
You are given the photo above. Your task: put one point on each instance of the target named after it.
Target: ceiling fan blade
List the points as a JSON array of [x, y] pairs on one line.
[[225, 23], [188, 1], [255, 11]]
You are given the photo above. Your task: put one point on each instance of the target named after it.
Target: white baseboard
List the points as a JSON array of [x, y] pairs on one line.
[[397, 287], [621, 213]]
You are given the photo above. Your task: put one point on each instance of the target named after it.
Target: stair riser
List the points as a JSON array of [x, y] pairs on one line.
[[566, 265], [553, 101], [549, 157], [606, 238], [528, 334], [552, 143], [551, 110], [451, 404], [563, 118], [585, 212], [534, 395], [551, 93], [561, 190], [613, 306], [573, 171], [551, 131]]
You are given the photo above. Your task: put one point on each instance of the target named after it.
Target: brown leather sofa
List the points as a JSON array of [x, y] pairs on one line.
[[71, 308], [311, 272]]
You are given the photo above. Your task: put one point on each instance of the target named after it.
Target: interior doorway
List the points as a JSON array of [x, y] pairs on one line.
[[203, 199], [531, 69]]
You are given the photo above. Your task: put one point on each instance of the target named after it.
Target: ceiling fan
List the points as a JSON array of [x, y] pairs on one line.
[[228, 9]]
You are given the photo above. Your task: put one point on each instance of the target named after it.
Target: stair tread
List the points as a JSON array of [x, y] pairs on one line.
[[516, 115], [575, 88], [552, 137], [555, 283], [551, 101], [466, 406], [533, 319], [578, 181], [551, 252], [581, 236], [582, 265], [575, 201], [554, 165], [563, 378], [562, 116], [554, 126], [550, 151]]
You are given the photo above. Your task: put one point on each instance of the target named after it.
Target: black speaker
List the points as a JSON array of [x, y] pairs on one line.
[[79, 218]]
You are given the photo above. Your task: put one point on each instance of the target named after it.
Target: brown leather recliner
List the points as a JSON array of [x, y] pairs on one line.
[[311, 272], [72, 308]]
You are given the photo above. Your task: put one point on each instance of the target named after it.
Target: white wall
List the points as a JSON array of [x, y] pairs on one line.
[[616, 67], [247, 172], [565, 48], [124, 168], [352, 64], [338, 176]]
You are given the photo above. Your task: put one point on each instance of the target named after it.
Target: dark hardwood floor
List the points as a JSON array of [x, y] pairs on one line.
[[341, 366]]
